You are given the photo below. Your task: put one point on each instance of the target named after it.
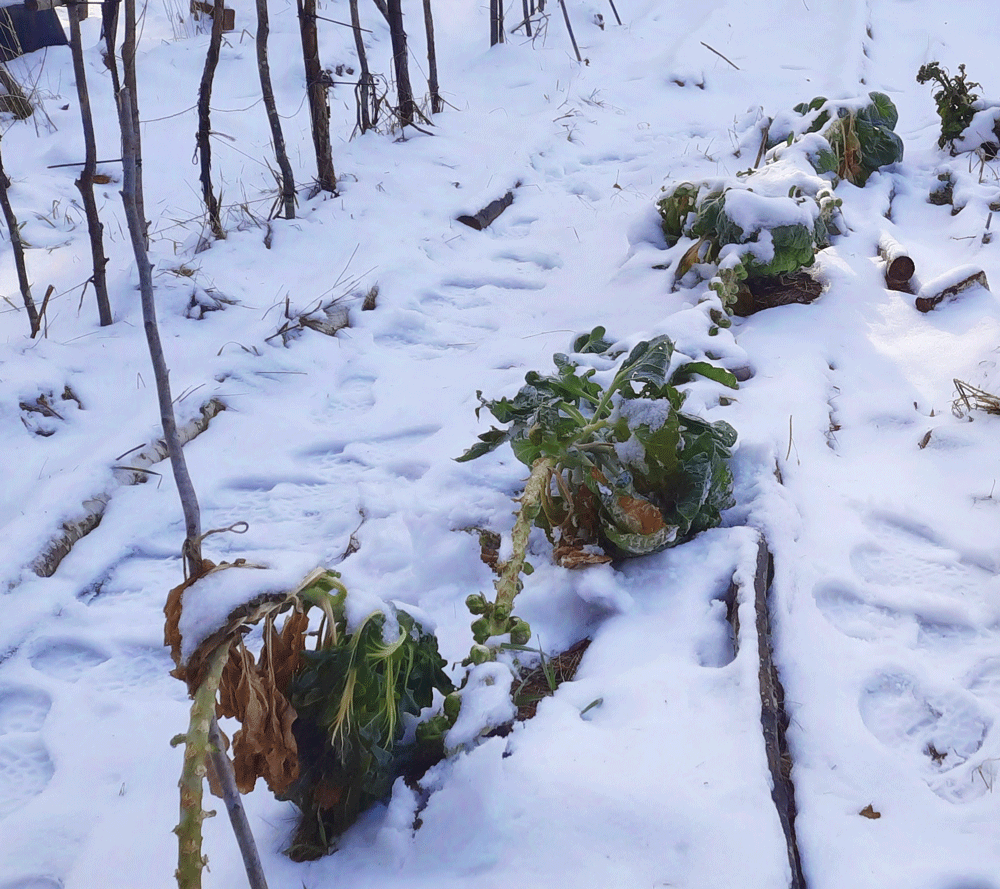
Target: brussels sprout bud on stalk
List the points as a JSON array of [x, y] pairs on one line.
[[480, 654], [520, 632], [476, 603], [452, 705]]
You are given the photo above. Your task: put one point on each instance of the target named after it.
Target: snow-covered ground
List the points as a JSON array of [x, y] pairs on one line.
[[876, 500]]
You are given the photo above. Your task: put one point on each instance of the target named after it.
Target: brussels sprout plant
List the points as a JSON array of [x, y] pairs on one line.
[[955, 100], [861, 138], [616, 470], [320, 712], [758, 231]]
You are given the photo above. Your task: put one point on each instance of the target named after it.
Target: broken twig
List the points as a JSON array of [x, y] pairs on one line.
[[719, 54]]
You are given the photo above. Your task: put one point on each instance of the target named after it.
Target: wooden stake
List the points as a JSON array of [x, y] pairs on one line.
[[205, 122], [234, 806], [496, 22], [109, 27], [85, 182], [319, 109], [185, 488], [406, 109], [569, 28], [18, 247], [364, 86], [432, 68], [287, 182], [129, 80]]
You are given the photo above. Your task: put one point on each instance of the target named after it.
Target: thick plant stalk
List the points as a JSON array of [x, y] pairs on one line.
[[185, 489], [18, 247], [531, 503], [365, 82], [287, 183], [196, 750], [498, 617], [85, 183], [432, 67], [406, 109], [205, 122], [316, 84]]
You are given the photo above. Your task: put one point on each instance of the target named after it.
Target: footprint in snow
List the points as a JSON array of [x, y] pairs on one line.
[[912, 589], [25, 765], [501, 282], [849, 611], [65, 659], [23, 709], [904, 554], [34, 883], [941, 731], [545, 261], [983, 680]]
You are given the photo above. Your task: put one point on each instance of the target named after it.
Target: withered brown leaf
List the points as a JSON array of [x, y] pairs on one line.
[[254, 693], [573, 555], [643, 517], [171, 627]]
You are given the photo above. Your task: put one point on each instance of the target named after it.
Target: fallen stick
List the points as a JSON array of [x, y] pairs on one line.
[[93, 508], [719, 54], [489, 213], [949, 286], [773, 718]]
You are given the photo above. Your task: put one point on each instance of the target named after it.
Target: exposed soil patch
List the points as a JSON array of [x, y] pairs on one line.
[[544, 679], [783, 290]]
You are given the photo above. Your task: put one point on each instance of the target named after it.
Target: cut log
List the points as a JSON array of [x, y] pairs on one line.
[[950, 286], [489, 213], [133, 473], [899, 267]]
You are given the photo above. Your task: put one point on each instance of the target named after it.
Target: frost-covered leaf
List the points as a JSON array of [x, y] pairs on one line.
[[720, 375], [619, 476]]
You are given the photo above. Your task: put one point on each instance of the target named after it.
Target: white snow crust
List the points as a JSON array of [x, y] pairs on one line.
[[879, 503]]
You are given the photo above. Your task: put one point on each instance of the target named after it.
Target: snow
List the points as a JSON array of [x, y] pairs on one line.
[[877, 501], [980, 130], [637, 412], [207, 603], [750, 211]]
